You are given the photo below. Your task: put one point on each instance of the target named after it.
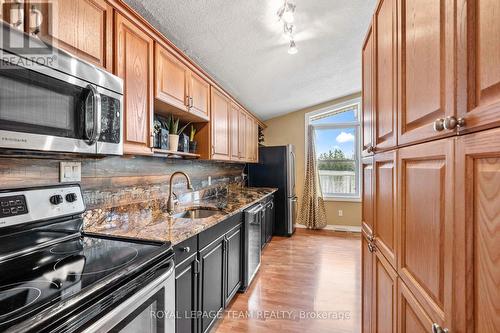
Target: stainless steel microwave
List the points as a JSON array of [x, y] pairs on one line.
[[53, 101]]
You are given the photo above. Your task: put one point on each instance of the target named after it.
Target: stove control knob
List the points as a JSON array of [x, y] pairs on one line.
[[56, 284], [56, 199], [71, 197]]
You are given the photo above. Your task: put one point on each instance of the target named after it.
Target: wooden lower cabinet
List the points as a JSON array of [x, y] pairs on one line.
[[366, 282], [411, 316], [426, 190], [186, 295], [477, 206], [384, 306]]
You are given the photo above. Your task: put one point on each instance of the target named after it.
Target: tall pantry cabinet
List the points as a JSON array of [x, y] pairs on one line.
[[431, 167]]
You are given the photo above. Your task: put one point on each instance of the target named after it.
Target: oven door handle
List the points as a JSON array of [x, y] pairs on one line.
[[96, 114]]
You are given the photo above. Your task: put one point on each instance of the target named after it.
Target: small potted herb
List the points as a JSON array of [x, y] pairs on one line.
[[173, 133], [193, 145]]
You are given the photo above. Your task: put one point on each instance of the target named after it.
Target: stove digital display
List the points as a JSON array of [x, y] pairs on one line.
[[13, 206]]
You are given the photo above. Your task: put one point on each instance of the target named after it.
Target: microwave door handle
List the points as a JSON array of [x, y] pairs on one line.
[[96, 114]]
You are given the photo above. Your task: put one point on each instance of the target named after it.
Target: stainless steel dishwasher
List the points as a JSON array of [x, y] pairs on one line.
[[252, 248]]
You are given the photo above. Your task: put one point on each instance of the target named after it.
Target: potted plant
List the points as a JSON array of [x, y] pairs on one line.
[[193, 145], [173, 133]]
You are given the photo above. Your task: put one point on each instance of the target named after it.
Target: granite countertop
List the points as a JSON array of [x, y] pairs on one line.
[[149, 220]]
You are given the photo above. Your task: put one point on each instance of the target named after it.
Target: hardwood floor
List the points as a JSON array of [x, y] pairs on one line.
[[312, 273]]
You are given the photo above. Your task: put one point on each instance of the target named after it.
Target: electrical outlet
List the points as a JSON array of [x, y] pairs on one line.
[[341, 212], [70, 172]]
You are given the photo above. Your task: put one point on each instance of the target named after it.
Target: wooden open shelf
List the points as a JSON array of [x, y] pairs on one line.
[[174, 154]]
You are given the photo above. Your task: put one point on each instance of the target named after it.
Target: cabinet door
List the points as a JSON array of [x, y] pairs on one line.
[[211, 282], [478, 63], [425, 257], [366, 283], [368, 89], [385, 204], [412, 318], [242, 137], [384, 295], [199, 93], [134, 64], [426, 68], [234, 263], [82, 27], [270, 217], [385, 75], [367, 202], [251, 140], [477, 244], [186, 296], [235, 132], [220, 126], [171, 79]]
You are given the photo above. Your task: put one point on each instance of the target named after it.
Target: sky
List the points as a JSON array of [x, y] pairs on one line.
[[342, 138]]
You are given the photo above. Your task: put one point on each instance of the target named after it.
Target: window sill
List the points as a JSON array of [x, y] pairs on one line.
[[342, 199]]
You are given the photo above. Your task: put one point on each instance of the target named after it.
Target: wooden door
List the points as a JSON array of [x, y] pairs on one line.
[[199, 93], [134, 64], [242, 137], [234, 132], [221, 107], [368, 89], [186, 295], [425, 225], [366, 283], [478, 64], [367, 196], [412, 318], [426, 68], [385, 75], [249, 138], [385, 204], [477, 245], [81, 27], [234, 263], [212, 262], [170, 79], [384, 295]]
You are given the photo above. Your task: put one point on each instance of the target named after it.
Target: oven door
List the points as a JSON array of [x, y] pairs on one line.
[[48, 110], [150, 310]]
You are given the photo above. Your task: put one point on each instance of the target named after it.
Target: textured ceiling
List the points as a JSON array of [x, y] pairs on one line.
[[241, 45]]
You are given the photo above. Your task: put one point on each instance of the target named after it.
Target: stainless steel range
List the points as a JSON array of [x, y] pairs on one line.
[[64, 105], [56, 278]]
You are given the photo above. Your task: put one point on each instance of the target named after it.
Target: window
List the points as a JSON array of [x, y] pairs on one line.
[[337, 132]]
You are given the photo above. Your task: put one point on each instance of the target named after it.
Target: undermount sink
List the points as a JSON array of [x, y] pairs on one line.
[[196, 213]]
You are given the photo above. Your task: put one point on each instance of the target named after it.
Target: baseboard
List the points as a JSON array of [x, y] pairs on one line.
[[336, 227]]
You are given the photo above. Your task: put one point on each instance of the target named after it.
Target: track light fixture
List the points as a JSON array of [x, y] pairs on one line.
[[286, 14]]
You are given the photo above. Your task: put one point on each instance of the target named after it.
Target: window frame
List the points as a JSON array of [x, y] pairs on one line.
[[310, 116]]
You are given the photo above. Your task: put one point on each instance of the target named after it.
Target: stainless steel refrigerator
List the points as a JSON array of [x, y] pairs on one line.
[[276, 168]]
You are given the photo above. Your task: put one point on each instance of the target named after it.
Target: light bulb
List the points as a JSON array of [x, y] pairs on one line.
[[288, 16], [293, 48], [288, 30]]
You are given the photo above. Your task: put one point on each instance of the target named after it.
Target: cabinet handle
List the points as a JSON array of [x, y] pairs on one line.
[[438, 329], [371, 247], [191, 103], [438, 125], [451, 123], [370, 149], [370, 238], [186, 249], [187, 101]]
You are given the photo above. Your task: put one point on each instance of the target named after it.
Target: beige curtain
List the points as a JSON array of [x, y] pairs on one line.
[[312, 210]]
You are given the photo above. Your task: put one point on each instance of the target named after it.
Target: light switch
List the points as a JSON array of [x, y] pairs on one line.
[[70, 172]]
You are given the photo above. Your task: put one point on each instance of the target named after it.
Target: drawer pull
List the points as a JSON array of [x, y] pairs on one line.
[[186, 249], [438, 329]]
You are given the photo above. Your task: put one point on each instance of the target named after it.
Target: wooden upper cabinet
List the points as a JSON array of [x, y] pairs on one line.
[[412, 318], [426, 70], [134, 64], [235, 132], [385, 75], [425, 230], [385, 204], [251, 139], [242, 137], [199, 94], [171, 79], [368, 88], [367, 196], [478, 64], [81, 27], [221, 108], [477, 244], [384, 296]]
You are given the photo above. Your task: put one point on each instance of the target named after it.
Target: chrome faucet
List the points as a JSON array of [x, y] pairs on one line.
[[170, 201]]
